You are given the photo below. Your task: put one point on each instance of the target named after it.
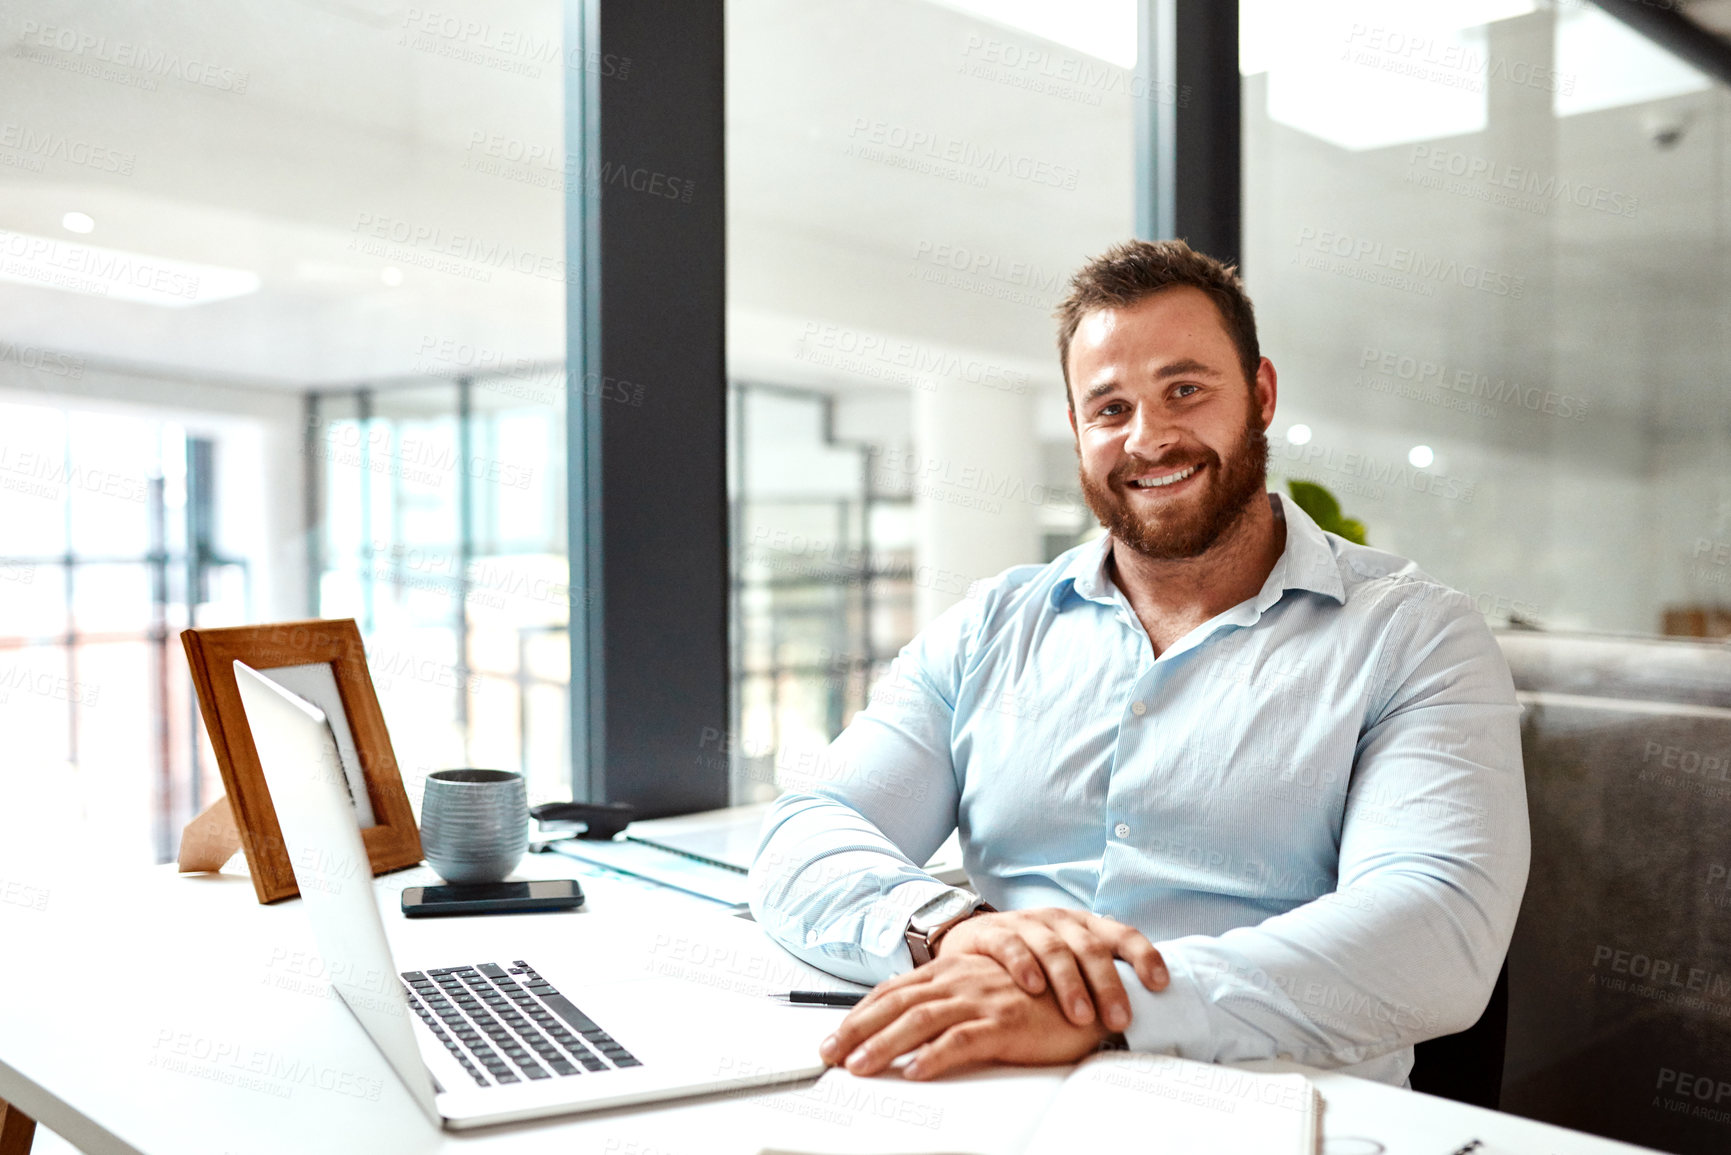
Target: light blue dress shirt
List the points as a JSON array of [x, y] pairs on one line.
[[1312, 803]]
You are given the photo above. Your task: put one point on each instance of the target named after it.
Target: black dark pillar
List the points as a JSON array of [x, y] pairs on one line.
[[1187, 125], [646, 368]]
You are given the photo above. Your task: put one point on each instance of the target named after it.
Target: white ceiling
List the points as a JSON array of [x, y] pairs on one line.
[[341, 121]]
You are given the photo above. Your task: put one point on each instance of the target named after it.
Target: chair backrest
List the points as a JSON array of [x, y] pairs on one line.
[[1468, 1067], [1620, 968]]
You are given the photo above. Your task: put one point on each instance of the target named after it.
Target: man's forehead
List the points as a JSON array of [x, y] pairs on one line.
[[1154, 312], [1172, 328]]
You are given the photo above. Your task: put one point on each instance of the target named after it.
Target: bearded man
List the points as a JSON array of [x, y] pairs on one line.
[[1261, 792]]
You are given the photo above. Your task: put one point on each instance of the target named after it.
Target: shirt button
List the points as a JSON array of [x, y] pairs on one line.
[[1138, 708], [1122, 830]]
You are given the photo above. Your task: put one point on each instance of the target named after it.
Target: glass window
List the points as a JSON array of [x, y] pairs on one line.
[[207, 215], [906, 200], [1498, 328], [445, 539], [93, 692]]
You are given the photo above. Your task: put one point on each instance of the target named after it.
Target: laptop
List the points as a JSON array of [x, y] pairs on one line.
[[481, 1039]]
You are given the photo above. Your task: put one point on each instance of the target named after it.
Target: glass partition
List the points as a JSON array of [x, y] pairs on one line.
[[1487, 244], [1484, 242], [907, 194]]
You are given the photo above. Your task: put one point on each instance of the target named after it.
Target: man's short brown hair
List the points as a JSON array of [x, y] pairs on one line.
[[1135, 270]]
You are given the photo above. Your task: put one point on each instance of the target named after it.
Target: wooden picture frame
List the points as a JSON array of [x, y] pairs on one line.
[[245, 814]]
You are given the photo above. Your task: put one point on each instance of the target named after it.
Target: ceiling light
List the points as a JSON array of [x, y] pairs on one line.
[[1420, 456], [78, 222], [1365, 74], [1298, 435], [75, 267], [1603, 63], [1275, 31]]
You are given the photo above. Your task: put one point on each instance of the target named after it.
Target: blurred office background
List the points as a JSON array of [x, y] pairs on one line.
[[283, 334], [1484, 243]]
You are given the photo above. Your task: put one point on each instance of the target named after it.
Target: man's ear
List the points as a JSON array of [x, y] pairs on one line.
[[1266, 390]]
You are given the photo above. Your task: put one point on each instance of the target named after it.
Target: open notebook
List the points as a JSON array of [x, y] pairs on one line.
[[1115, 1101]]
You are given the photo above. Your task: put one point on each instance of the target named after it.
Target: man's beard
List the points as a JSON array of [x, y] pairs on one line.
[[1190, 532]]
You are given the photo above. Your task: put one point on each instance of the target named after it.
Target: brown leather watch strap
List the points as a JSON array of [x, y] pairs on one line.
[[923, 946]]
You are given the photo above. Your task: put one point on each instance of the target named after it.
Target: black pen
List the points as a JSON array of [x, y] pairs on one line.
[[822, 998]]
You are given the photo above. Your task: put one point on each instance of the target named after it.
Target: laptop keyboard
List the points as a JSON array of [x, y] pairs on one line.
[[507, 1025]]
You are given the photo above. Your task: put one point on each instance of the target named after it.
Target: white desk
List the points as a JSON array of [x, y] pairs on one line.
[[218, 1035]]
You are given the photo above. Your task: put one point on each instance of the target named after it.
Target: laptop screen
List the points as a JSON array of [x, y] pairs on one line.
[[322, 835]]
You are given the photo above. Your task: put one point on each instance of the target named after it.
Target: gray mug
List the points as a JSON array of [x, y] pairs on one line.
[[474, 824]]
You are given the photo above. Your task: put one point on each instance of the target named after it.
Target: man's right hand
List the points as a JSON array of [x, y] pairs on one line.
[[1071, 949]]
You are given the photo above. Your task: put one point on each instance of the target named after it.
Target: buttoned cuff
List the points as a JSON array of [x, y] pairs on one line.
[[889, 919], [1175, 1021]]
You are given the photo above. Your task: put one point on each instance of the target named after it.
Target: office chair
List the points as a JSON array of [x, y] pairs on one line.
[[1468, 1067]]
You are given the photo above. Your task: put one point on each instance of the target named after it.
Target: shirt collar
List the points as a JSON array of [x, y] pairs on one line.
[[1086, 573], [1308, 560], [1306, 563]]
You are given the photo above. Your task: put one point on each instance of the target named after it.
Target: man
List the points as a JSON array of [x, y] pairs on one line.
[[1227, 785]]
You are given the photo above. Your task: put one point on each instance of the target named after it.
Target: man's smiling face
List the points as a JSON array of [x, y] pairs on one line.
[[1169, 435]]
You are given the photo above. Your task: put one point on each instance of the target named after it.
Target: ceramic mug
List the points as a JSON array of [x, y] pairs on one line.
[[474, 824]]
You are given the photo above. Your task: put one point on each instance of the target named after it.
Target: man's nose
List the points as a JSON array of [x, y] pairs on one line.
[[1150, 433]]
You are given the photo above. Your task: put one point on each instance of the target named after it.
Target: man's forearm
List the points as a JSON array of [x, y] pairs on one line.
[[834, 890], [1286, 990]]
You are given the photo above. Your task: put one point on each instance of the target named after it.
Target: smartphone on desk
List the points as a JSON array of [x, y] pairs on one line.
[[491, 898]]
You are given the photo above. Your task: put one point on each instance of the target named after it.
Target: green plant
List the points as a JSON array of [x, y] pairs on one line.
[[1324, 509]]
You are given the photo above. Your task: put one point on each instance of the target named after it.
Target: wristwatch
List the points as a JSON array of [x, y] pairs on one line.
[[933, 920]]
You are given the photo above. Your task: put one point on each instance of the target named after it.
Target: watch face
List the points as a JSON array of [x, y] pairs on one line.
[[941, 910]]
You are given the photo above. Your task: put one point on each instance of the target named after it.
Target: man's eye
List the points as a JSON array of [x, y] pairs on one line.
[[1113, 409], [1186, 390]]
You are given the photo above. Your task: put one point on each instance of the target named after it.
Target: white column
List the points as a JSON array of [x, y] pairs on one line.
[[977, 486]]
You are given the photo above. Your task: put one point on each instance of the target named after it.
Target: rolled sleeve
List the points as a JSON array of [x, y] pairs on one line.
[[839, 869]]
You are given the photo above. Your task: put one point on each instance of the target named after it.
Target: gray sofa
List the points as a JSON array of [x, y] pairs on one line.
[[1620, 970]]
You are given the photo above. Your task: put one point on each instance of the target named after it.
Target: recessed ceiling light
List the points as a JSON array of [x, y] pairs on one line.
[[78, 223], [1366, 74], [118, 275], [391, 275], [1609, 65], [1420, 456], [1298, 435]]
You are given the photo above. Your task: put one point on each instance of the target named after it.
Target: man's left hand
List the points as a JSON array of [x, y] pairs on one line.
[[956, 1011]]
